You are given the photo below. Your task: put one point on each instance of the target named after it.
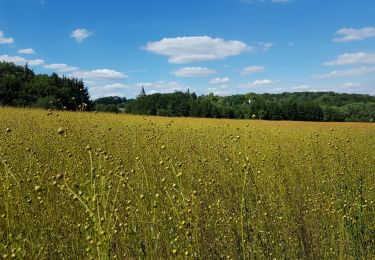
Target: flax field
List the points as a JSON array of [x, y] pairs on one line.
[[80, 185]]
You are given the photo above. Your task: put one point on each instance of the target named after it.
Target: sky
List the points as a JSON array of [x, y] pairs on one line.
[[223, 47]]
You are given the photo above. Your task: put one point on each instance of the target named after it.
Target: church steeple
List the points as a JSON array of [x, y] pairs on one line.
[[143, 93]]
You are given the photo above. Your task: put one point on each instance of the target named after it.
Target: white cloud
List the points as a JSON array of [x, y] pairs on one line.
[[301, 88], [193, 72], [60, 67], [116, 86], [219, 80], [263, 82], [222, 90], [97, 92], [265, 46], [351, 34], [259, 83], [14, 59], [162, 86], [35, 62], [146, 84], [99, 74], [356, 87], [26, 51], [353, 72], [352, 58], [252, 69], [21, 60], [114, 89], [183, 50], [4, 40], [80, 34], [350, 85], [339, 87]]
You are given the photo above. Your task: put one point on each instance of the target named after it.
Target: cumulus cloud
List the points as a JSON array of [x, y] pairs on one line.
[[21, 60], [4, 40], [35, 62], [258, 84], [26, 51], [353, 72], [351, 34], [193, 72], [263, 82], [352, 58], [60, 67], [80, 34], [220, 80], [117, 86], [183, 50], [252, 70], [99, 74]]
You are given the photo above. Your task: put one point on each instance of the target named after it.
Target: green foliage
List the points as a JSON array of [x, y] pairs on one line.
[[20, 87], [112, 100], [106, 108], [301, 106]]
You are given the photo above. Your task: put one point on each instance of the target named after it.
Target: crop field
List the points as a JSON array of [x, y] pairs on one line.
[[84, 185]]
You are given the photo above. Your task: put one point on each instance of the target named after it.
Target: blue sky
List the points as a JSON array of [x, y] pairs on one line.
[[219, 46]]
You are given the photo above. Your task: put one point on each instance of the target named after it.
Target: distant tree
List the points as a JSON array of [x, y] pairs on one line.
[[333, 113], [106, 108], [115, 100]]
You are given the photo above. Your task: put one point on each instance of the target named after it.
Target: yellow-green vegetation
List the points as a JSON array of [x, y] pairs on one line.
[[86, 185]]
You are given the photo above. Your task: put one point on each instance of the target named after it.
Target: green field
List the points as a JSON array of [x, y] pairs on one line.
[[84, 185]]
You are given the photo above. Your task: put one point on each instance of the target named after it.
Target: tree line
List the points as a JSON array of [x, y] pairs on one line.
[[304, 106], [21, 87]]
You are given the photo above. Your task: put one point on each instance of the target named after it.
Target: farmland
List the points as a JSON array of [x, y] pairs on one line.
[[94, 185]]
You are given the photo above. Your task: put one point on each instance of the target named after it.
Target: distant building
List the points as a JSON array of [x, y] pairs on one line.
[[143, 93]]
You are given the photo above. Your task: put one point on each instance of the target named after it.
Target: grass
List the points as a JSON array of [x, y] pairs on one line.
[[85, 185]]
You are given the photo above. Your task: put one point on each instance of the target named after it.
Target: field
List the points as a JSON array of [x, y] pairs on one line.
[[86, 185]]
